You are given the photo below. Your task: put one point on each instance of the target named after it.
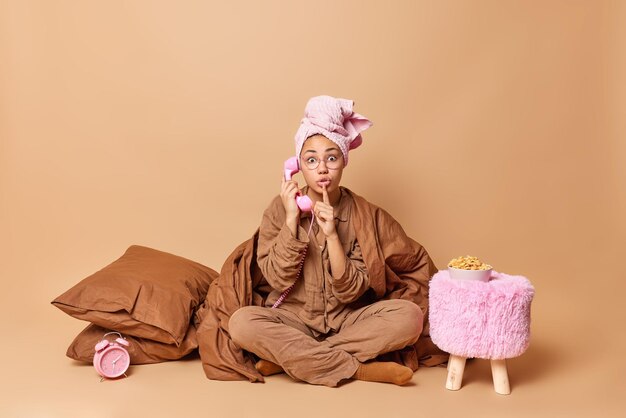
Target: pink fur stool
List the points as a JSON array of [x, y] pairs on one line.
[[474, 319]]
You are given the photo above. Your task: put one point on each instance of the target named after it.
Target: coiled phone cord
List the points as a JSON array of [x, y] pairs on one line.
[[283, 295]]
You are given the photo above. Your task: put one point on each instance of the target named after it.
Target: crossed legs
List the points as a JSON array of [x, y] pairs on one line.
[[280, 337]]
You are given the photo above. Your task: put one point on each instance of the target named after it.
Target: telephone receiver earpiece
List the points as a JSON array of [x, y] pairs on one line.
[[292, 167]]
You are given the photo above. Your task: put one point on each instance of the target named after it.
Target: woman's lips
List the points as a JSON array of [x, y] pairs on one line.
[[323, 183]]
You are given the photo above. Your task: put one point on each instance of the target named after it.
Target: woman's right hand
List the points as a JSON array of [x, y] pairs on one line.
[[288, 191]]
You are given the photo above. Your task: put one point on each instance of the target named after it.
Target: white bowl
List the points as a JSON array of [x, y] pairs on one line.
[[460, 274]]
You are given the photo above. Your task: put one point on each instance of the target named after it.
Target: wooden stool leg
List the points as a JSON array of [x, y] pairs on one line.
[[500, 377], [456, 366]]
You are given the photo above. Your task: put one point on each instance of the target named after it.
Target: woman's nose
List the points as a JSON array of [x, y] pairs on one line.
[[321, 168]]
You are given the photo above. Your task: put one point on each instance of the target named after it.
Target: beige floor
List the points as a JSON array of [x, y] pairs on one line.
[[571, 369]]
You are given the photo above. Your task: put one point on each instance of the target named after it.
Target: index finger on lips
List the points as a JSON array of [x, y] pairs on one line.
[[325, 195]]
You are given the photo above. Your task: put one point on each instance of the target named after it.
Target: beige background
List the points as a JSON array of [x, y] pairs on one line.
[[499, 131]]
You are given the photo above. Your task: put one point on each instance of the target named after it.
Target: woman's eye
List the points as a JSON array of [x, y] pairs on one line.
[[311, 160], [332, 158]]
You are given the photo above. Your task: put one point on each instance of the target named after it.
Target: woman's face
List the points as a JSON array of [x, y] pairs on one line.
[[321, 150]]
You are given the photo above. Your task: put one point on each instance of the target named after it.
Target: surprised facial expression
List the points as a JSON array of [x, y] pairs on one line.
[[322, 164]]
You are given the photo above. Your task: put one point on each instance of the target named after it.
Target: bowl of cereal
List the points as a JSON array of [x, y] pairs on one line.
[[469, 268]]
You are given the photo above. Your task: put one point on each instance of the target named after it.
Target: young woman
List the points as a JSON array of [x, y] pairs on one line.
[[328, 315]]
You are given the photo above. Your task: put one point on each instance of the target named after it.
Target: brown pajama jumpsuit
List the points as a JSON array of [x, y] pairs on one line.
[[315, 335]]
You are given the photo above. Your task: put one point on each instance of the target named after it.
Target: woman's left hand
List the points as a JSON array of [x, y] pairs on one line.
[[325, 214]]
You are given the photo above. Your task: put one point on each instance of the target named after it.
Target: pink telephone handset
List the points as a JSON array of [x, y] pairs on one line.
[[306, 205], [291, 167]]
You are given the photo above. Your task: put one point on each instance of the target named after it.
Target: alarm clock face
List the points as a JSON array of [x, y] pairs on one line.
[[113, 362]]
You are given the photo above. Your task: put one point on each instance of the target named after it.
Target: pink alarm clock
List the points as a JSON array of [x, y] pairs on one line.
[[111, 358]]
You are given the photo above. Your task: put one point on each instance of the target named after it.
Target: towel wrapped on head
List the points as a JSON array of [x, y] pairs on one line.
[[333, 118]]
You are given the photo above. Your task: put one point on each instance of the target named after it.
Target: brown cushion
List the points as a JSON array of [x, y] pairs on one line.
[[141, 350], [145, 293]]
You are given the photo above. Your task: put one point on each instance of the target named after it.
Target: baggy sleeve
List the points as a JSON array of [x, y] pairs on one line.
[[355, 281], [279, 253]]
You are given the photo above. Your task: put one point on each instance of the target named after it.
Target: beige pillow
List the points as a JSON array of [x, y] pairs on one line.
[[145, 293], [141, 351]]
